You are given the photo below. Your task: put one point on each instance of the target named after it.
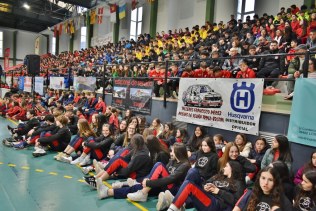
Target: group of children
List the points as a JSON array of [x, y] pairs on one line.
[[200, 171]]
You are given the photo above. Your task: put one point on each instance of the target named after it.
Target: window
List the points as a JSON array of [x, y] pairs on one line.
[[245, 8], [136, 23], [1, 44], [83, 38], [54, 45]]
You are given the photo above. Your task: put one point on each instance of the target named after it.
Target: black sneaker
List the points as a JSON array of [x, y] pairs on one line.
[[91, 181]]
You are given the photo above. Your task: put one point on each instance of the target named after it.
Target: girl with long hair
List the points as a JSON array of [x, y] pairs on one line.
[[267, 193], [305, 198], [136, 165], [280, 150], [220, 192], [243, 145], [195, 141], [311, 165], [232, 153]]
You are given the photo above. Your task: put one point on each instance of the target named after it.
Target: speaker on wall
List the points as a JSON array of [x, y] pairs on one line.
[[32, 62]]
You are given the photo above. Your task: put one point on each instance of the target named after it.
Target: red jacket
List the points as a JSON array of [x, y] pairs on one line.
[[100, 107], [248, 74]]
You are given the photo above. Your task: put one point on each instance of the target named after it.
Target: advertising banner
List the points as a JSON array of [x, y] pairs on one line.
[[57, 83], [133, 94], [28, 84], [229, 104], [302, 127], [39, 85], [85, 83]]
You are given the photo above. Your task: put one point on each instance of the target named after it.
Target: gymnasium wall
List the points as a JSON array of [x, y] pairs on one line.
[[272, 7]]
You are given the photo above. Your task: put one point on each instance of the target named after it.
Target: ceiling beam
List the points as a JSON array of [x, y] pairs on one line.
[[81, 3]]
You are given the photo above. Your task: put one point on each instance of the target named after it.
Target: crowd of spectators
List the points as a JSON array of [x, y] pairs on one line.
[[198, 50]]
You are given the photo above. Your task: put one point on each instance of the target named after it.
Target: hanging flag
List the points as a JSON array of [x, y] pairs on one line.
[[100, 14], [55, 31], [134, 3], [113, 8], [122, 11], [66, 26], [92, 16], [72, 27], [60, 28]]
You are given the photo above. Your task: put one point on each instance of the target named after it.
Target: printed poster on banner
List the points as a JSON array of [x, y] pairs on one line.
[[229, 104], [21, 83], [85, 83], [28, 84], [57, 83], [302, 127], [133, 94], [39, 85]]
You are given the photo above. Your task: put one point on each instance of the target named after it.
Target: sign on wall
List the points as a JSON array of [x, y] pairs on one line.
[[229, 104], [39, 85], [133, 94], [57, 83], [302, 127], [28, 84], [85, 83]]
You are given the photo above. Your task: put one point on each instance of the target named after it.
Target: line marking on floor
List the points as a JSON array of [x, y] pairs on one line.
[[53, 173], [11, 165], [80, 180], [1, 163], [25, 167]]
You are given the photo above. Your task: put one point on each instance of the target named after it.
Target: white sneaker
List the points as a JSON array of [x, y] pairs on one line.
[[102, 189], [162, 202], [116, 185], [169, 197], [65, 159], [59, 155], [39, 152], [174, 208], [131, 182], [85, 161], [77, 161], [138, 196], [97, 166], [87, 169]]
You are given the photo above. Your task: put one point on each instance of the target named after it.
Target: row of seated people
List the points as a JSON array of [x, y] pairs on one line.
[[159, 162]]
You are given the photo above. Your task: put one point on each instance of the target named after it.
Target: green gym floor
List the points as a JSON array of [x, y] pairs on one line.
[[32, 184]]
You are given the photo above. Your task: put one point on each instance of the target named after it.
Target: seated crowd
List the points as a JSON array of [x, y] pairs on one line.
[[290, 31], [202, 170]]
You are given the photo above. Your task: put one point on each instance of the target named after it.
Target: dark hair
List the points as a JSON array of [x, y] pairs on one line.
[[245, 141], [137, 142], [284, 148], [309, 166], [32, 112], [197, 141], [311, 176], [282, 169], [210, 143], [155, 146], [314, 62], [257, 192], [180, 152], [50, 118]]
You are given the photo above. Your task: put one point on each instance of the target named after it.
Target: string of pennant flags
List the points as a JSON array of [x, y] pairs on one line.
[[96, 17]]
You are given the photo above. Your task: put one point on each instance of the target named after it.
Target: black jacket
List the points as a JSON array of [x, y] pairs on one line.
[[206, 163]]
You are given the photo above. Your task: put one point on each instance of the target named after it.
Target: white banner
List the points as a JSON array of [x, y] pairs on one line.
[[57, 83], [28, 84], [101, 40], [39, 85], [229, 104], [85, 83], [8, 80]]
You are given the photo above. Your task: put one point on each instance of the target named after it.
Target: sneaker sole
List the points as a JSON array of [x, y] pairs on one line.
[[39, 154]]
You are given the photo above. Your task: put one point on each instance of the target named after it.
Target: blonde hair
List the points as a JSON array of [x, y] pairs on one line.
[[85, 129]]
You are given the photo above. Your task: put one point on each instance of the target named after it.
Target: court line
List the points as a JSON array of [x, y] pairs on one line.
[[142, 208]]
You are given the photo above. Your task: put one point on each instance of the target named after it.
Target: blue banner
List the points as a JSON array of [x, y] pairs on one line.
[[21, 83], [302, 127]]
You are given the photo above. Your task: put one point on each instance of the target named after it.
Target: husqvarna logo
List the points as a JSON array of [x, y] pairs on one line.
[[242, 98]]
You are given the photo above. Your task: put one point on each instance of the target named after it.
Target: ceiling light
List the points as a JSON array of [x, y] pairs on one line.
[[26, 6]]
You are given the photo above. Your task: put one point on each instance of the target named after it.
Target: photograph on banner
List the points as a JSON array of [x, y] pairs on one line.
[[39, 85], [57, 83], [85, 83], [229, 104], [28, 84], [133, 94], [21, 83], [140, 99], [302, 127]]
